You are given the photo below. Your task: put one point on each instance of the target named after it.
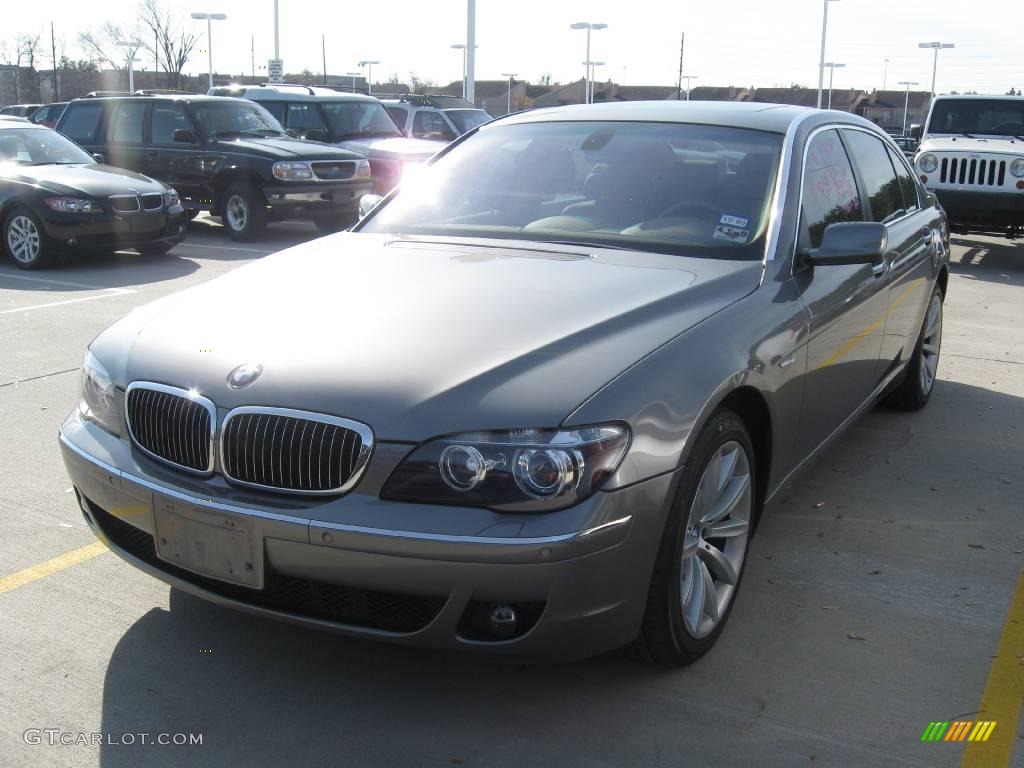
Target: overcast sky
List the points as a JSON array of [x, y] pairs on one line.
[[728, 42]]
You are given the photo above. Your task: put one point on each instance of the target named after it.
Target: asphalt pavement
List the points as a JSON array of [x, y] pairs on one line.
[[877, 598]]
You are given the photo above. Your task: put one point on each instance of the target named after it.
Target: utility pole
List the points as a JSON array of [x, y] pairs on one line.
[[53, 50], [821, 60], [252, 55], [679, 89], [323, 51]]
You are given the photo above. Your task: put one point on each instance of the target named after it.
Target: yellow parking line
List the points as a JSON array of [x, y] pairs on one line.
[[50, 567], [1004, 692]]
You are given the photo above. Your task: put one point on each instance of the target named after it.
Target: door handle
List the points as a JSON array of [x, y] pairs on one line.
[[926, 234], [880, 268]]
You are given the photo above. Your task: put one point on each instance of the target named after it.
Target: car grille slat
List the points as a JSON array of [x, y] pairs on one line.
[[171, 424], [975, 172], [335, 170], [293, 451]]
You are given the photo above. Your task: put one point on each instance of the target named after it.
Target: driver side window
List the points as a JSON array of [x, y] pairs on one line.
[[829, 190]]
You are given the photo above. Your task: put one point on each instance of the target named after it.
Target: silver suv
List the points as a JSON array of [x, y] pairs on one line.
[[434, 118]]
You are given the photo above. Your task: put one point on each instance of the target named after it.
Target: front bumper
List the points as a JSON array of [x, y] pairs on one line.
[[579, 592], [111, 230], [317, 199], [982, 209]]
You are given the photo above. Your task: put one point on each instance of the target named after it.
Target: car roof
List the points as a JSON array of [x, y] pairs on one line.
[[775, 118], [985, 96], [292, 93], [157, 97], [11, 121]]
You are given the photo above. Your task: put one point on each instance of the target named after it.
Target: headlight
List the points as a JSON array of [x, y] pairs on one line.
[[99, 398], [171, 198], [363, 169], [293, 171], [1017, 167], [527, 470], [927, 163], [73, 205]]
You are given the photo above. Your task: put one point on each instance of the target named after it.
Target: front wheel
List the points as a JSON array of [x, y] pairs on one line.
[[916, 389], [25, 240], [245, 211], [704, 546]]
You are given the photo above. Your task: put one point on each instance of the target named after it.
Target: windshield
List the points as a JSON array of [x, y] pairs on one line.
[[232, 118], [39, 146], [358, 119], [687, 189], [468, 119], [993, 117]]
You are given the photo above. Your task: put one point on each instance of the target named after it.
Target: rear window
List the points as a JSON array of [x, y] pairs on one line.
[[81, 122]]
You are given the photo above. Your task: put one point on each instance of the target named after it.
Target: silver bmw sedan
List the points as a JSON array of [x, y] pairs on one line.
[[536, 401]]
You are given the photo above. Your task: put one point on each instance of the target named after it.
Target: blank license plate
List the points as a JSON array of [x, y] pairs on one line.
[[208, 543]]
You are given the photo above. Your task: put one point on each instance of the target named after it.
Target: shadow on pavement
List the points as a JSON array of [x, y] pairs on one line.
[[989, 259]]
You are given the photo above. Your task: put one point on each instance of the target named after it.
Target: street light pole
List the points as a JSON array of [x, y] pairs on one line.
[[369, 76], [831, 72], [935, 45], [588, 93], [906, 102], [210, 18], [471, 51], [509, 75], [131, 46], [277, 33], [688, 78], [885, 72], [821, 60], [353, 75]]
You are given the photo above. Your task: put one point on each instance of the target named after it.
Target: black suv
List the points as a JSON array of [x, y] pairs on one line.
[[225, 155]]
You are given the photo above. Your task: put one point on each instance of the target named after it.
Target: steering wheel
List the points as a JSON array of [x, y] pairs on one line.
[[1008, 127], [693, 205]]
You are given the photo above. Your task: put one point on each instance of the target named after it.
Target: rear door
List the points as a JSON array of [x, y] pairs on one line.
[[846, 303], [125, 131], [177, 163]]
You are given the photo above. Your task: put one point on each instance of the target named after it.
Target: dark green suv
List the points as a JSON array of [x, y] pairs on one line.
[[224, 155]]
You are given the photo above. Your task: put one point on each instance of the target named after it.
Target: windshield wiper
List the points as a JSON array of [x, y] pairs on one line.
[[965, 133], [261, 132], [584, 244]]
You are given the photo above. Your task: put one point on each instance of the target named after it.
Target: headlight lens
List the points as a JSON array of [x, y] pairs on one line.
[[99, 398], [927, 163], [527, 470], [293, 171], [73, 205], [171, 198], [1017, 167]]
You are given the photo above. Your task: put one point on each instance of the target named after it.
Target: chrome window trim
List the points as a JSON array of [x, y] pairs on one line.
[[195, 397], [362, 460], [781, 186]]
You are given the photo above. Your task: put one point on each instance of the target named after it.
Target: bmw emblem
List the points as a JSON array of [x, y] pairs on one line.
[[244, 375]]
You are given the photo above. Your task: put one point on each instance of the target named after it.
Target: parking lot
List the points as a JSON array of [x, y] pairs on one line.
[[879, 593]]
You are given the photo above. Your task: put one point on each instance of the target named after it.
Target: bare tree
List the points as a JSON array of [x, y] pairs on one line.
[[168, 39], [22, 53], [105, 44]]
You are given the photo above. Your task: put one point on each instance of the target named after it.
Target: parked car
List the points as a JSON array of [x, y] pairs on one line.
[[434, 118], [907, 144], [49, 114], [55, 197], [20, 110], [228, 156], [596, 354], [348, 120], [972, 158]]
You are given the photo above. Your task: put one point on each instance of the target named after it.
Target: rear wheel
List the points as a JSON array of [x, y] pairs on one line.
[[25, 240], [919, 381], [704, 547], [245, 211]]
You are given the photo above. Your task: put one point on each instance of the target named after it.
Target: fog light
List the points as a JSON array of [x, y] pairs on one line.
[[924, 179], [502, 621], [1020, 184]]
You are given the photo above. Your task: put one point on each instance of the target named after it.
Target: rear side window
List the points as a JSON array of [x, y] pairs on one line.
[[829, 188], [277, 109], [872, 159], [430, 125], [907, 185], [125, 121], [82, 122], [399, 115], [167, 118]]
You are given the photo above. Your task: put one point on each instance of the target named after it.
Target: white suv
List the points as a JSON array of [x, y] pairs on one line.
[[972, 158]]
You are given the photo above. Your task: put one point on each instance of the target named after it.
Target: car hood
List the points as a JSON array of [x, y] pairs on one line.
[[962, 144], [89, 180], [284, 147], [397, 148], [423, 337]]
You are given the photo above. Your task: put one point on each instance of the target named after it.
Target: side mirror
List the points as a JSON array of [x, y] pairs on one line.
[[184, 136], [99, 158], [367, 203], [317, 134], [854, 242], [915, 132], [291, 132]]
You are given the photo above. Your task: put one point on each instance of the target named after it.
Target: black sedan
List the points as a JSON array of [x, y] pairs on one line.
[[55, 197]]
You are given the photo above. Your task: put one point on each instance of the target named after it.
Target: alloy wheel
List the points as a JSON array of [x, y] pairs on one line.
[[931, 343], [23, 239], [237, 210], [715, 539]]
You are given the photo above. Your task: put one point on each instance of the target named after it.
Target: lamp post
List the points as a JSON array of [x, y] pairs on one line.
[[587, 92], [906, 102], [935, 45], [885, 71], [832, 67], [591, 66], [688, 78], [210, 18], [821, 61], [353, 75], [509, 75], [470, 94], [131, 46], [369, 76]]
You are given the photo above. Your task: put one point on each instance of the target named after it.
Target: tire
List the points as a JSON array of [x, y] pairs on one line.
[[916, 388], [154, 249], [25, 240], [680, 625], [244, 211]]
